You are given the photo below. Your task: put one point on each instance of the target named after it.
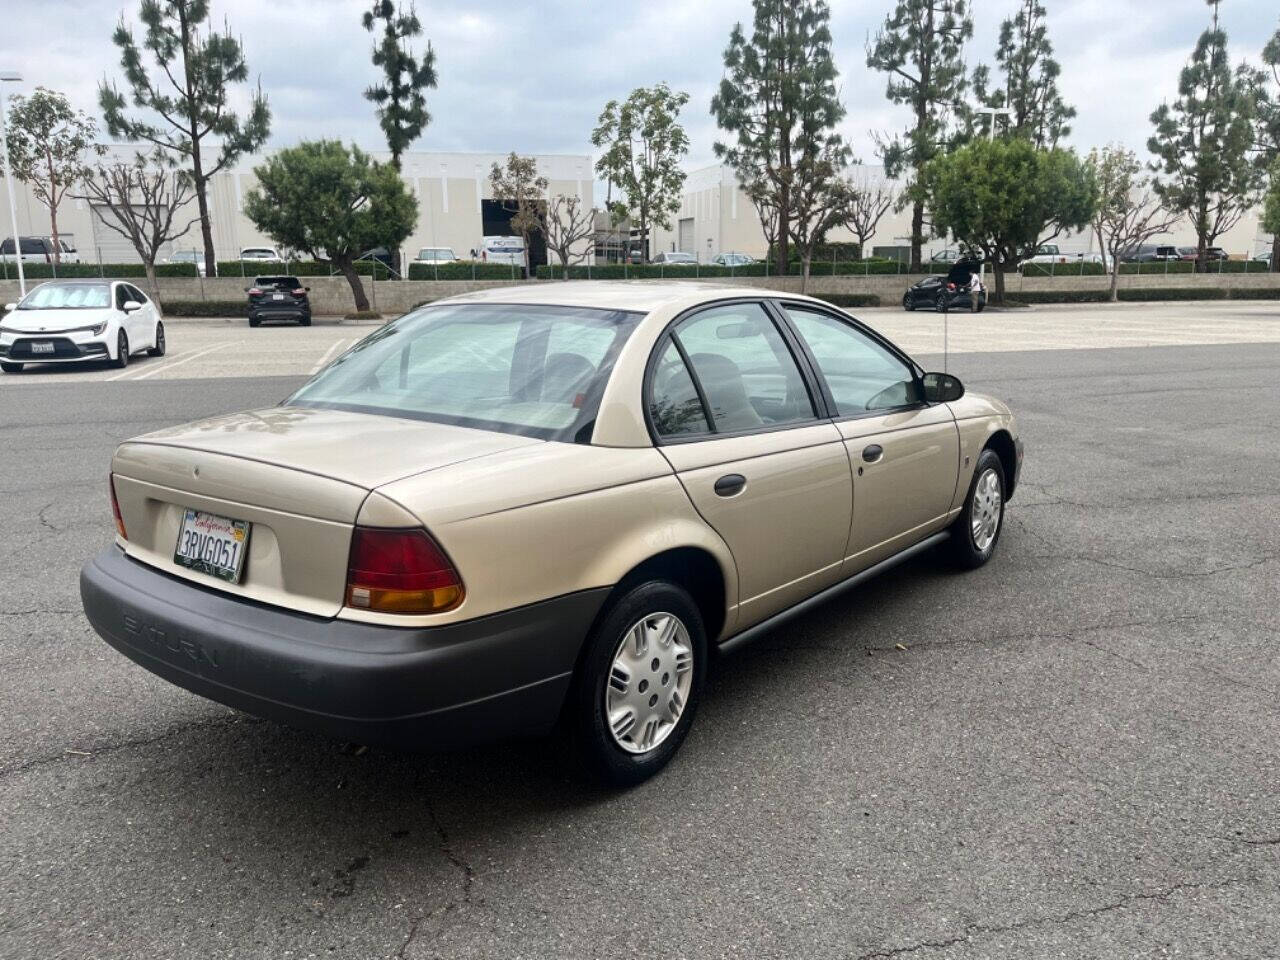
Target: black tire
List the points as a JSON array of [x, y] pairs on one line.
[[965, 551], [304, 322], [158, 349], [8, 367], [588, 724], [253, 322], [908, 303], [122, 350], [941, 303]]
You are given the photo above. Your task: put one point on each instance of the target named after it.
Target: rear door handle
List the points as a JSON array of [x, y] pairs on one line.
[[730, 484], [872, 453]]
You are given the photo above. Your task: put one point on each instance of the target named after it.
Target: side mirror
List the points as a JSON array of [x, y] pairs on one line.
[[10, 306], [942, 388], [308, 289], [131, 305], [246, 289]]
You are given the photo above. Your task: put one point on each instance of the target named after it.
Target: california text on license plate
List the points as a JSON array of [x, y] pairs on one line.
[[212, 544]]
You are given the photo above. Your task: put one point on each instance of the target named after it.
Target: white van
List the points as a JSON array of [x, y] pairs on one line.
[[502, 250]]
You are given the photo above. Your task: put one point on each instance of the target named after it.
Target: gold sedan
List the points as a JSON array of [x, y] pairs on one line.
[[540, 504]]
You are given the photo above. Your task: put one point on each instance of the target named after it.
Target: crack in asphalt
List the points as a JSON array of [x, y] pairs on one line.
[[467, 874], [45, 521], [980, 929], [70, 753]]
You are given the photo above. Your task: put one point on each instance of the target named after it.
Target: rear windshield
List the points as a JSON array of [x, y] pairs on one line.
[[68, 296], [537, 371], [279, 283], [257, 252]]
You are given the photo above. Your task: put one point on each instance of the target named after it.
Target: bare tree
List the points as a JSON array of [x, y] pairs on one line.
[[820, 200], [569, 224], [872, 198], [1129, 211], [142, 201]]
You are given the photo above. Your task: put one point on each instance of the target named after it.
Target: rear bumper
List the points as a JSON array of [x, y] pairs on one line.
[[428, 688], [291, 312]]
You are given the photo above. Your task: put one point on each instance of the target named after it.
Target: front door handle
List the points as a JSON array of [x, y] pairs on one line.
[[872, 453], [730, 484]]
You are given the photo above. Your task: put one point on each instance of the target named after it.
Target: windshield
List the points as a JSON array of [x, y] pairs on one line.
[[435, 253], [537, 371], [68, 296]]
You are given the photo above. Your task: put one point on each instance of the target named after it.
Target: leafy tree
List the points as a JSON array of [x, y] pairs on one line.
[[188, 93], [779, 102], [1271, 211], [1005, 197], [1267, 92], [568, 226], [1030, 91], [402, 105], [921, 46], [643, 145], [48, 146], [1128, 213], [872, 198], [331, 203], [1202, 142], [144, 202], [520, 190]]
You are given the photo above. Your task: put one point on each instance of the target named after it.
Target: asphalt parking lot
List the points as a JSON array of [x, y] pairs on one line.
[[1072, 752]]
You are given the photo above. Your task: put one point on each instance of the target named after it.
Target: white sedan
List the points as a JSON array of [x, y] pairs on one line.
[[73, 320]]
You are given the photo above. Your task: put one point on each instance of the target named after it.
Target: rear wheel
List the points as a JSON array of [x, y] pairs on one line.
[[907, 302], [941, 303], [122, 350], [253, 322], [637, 687], [8, 367], [158, 349], [304, 321], [977, 530]]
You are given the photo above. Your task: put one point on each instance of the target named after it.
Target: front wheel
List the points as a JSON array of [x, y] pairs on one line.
[[942, 302], [157, 350], [122, 350], [977, 530], [637, 687], [908, 303]]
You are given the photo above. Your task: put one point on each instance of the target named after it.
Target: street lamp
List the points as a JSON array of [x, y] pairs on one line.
[[11, 77]]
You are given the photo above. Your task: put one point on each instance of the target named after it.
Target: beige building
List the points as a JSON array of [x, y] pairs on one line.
[[717, 217], [455, 205]]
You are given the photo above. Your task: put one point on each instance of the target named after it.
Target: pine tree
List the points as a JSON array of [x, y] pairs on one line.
[[402, 105], [1203, 141], [920, 47], [778, 99], [1268, 135], [1030, 92], [189, 92]]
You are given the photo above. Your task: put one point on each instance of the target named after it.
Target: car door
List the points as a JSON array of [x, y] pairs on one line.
[[740, 424], [904, 452]]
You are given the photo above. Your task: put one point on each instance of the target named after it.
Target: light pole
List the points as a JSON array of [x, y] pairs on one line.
[[11, 77]]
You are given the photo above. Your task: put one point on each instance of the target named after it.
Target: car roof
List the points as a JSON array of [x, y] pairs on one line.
[[643, 296]]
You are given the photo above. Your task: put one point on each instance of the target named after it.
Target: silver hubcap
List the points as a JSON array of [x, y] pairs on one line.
[[648, 684], [984, 518]]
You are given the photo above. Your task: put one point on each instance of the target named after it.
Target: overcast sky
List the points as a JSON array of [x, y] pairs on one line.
[[533, 76]]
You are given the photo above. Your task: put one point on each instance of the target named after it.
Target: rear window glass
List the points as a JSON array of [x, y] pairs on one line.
[[68, 296], [532, 370], [279, 283]]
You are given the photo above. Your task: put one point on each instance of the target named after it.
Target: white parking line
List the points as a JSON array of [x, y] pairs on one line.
[[332, 351], [177, 363]]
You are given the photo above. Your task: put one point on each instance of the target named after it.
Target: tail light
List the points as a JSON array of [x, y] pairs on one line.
[[255, 292], [400, 571], [115, 507], [300, 292]]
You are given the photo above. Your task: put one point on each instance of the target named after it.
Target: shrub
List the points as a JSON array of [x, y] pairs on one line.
[[467, 270], [362, 315], [297, 268], [108, 271], [204, 308]]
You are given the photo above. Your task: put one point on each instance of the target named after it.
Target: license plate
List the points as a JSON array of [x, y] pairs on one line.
[[41, 346], [212, 544], [277, 296]]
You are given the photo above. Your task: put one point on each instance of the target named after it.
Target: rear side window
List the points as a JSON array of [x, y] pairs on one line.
[[674, 405]]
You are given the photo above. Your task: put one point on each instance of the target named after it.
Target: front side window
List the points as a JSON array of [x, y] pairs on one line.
[[67, 296], [532, 370], [746, 372], [862, 375]]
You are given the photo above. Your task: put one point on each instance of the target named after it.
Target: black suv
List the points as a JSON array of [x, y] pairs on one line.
[[278, 298]]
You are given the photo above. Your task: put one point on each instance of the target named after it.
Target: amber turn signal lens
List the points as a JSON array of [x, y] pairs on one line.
[[115, 507], [400, 571]]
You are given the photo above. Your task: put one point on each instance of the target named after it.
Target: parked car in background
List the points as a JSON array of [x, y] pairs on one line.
[[499, 514], [1187, 253], [1154, 253], [935, 293], [278, 298], [69, 254], [501, 250], [436, 255], [189, 256], [261, 254], [733, 260], [65, 321], [31, 250], [948, 256], [1049, 253], [675, 258], [1216, 253]]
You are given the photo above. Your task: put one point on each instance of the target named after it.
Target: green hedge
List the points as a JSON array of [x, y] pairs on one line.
[[1147, 294], [205, 308], [109, 271], [296, 268], [467, 270], [1155, 268]]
